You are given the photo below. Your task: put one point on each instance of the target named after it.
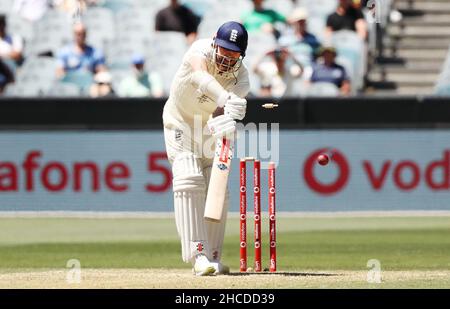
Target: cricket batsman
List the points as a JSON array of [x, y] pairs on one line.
[[209, 87]]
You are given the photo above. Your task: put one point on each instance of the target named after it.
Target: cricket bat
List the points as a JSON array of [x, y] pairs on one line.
[[218, 181]]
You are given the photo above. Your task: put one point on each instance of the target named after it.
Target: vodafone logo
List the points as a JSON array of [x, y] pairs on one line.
[[338, 160]]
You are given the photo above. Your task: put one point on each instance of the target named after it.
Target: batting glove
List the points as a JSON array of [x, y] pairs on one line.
[[235, 107], [221, 126]]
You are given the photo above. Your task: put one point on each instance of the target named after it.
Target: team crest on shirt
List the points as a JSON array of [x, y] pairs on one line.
[[178, 135]]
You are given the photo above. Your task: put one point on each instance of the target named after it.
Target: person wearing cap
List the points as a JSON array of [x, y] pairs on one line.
[[102, 86], [278, 73], [141, 83], [328, 71], [261, 19], [207, 96], [298, 21]]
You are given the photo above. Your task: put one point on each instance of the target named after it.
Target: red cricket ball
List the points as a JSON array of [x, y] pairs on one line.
[[323, 159]]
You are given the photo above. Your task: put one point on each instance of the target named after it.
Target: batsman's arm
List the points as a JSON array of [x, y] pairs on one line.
[[205, 82]]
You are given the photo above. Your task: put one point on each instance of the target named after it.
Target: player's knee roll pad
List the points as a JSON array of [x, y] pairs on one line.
[[187, 173]]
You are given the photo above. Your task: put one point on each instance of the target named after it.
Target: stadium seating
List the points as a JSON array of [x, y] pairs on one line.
[[100, 21], [34, 78], [117, 5], [123, 27], [303, 53], [258, 44], [118, 76], [81, 79], [321, 8], [166, 54], [60, 89], [20, 27], [6, 6], [442, 87], [199, 7], [40, 68], [350, 46], [323, 89], [135, 22]]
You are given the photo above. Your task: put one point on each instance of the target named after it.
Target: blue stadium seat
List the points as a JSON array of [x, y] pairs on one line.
[[81, 79], [120, 51], [442, 87], [30, 86], [100, 26], [349, 45], [321, 8], [442, 90], [6, 6], [303, 53], [118, 75], [45, 43], [149, 5], [135, 22], [65, 90], [39, 68], [283, 7], [317, 25], [323, 89], [19, 26], [117, 5], [199, 7], [166, 55], [258, 44]]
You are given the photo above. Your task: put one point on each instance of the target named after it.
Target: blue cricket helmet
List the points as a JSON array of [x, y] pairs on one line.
[[233, 36]]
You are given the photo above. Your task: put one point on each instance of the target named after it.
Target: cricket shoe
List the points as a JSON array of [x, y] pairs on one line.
[[220, 269], [203, 267]]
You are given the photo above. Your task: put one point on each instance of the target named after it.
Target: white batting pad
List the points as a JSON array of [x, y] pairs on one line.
[[189, 196]]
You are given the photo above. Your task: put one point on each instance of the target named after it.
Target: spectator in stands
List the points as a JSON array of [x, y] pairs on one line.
[[177, 17], [73, 8], [102, 86], [31, 10], [80, 56], [328, 71], [11, 46], [347, 17], [260, 19], [6, 75], [298, 21], [279, 73], [141, 83]]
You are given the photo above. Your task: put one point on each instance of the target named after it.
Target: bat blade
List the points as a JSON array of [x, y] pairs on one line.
[[218, 181]]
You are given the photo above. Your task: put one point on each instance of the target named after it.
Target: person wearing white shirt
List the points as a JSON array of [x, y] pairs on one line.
[[11, 46]]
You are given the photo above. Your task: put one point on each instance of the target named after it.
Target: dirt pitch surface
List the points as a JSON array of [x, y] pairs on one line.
[[183, 279]]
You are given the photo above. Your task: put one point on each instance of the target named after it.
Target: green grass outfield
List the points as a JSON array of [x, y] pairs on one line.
[[305, 244]]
